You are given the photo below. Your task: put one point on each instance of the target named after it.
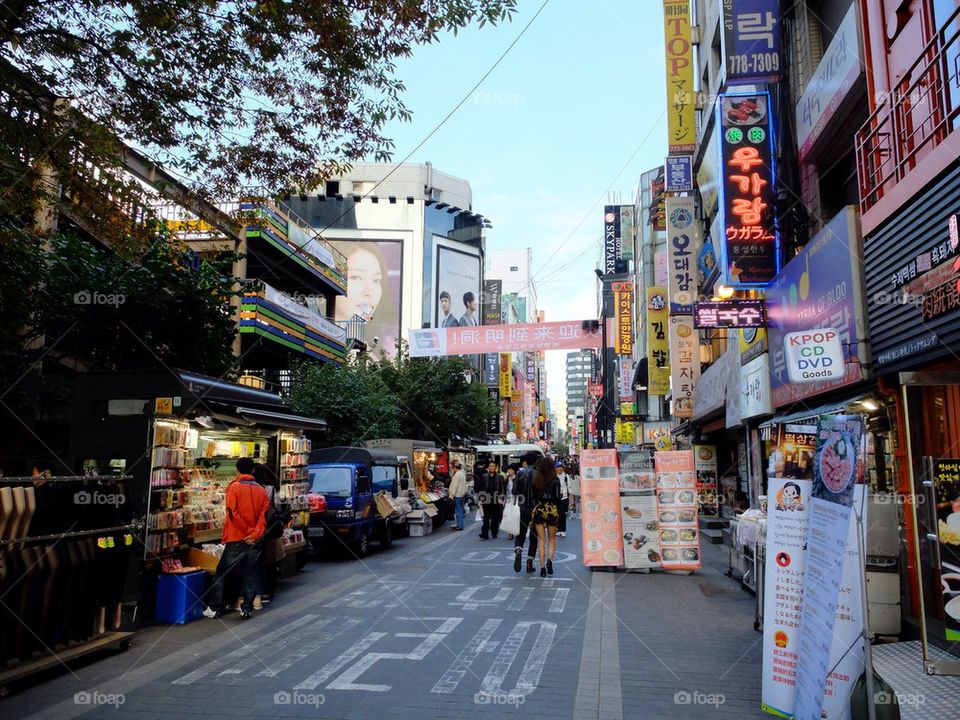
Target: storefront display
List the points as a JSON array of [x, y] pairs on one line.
[[602, 528], [638, 506], [677, 528], [705, 466]]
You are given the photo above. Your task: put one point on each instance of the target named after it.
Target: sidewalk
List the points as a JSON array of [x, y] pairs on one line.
[[441, 627]]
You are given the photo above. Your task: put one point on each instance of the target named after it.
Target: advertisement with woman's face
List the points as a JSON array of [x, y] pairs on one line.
[[374, 271]]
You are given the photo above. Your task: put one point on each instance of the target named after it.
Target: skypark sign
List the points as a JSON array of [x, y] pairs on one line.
[[529, 337]]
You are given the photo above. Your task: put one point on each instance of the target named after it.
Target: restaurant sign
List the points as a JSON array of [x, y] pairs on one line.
[[730, 314]]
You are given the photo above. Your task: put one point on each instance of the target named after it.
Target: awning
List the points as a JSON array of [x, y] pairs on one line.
[[811, 413], [641, 374], [212, 389], [281, 420]]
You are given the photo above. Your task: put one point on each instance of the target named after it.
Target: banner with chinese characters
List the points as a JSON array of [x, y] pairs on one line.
[[600, 497], [684, 364], [751, 41], [749, 247], [506, 375], [679, 173], [623, 304], [658, 344], [730, 314], [677, 527], [522, 337], [681, 133], [681, 247]]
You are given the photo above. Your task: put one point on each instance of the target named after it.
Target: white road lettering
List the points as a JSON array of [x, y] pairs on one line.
[[532, 669], [480, 642], [332, 667]]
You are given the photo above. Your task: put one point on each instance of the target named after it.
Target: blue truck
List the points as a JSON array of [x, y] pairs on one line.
[[349, 478]]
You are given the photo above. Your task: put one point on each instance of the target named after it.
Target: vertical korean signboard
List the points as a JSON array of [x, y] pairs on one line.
[[749, 247], [684, 364], [681, 247], [677, 510], [658, 347], [602, 541], [679, 173], [627, 225], [676, 28], [658, 212], [623, 304], [751, 41], [506, 375]]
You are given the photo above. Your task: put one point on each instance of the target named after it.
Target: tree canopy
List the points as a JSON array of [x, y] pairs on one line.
[[264, 92]]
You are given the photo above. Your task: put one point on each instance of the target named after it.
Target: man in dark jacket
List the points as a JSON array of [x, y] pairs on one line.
[[491, 491], [523, 496]]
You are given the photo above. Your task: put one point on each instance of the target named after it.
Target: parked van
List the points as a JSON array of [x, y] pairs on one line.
[[349, 479]]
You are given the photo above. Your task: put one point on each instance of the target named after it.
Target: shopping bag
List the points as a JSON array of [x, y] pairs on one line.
[[511, 520], [480, 514]]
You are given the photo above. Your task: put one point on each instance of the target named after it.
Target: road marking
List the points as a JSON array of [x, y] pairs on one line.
[[521, 599], [468, 599], [248, 649], [559, 600], [480, 642], [342, 660], [347, 679], [480, 556], [533, 668], [605, 698], [309, 648]]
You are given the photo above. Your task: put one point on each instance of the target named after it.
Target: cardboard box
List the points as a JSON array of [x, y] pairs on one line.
[[421, 529], [200, 559], [415, 516], [431, 510]]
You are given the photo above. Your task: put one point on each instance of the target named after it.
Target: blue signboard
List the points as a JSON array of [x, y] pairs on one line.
[[679, 173], [751, 41]]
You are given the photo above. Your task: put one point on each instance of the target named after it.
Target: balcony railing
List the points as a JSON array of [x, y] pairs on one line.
[[356, 328], [918, 114]]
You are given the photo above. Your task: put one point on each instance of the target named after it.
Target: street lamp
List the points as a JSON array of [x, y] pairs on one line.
[[603, 424]]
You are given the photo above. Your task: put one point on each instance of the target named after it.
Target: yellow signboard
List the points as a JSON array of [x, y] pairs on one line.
[[676, 30], [658, 343], [623, 302], [506, 376], [163, 406]]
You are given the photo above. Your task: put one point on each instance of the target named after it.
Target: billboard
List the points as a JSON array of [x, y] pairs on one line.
[[751, 41], [612, 242], [490, 302], [374, 286], [750, 254], [456, 302], [681, 133]]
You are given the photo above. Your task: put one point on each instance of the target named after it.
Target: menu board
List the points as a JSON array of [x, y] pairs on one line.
[[600, 496], [677, 530], [638, 504], [705, 465], [946, 485]]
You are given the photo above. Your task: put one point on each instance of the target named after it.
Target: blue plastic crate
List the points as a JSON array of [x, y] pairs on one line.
[[179, 598]]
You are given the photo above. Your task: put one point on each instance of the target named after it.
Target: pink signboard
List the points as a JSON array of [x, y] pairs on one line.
[[529, 337]]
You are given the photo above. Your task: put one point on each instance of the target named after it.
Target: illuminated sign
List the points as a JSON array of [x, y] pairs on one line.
[[730, 314], [623, 304], [749, 246]]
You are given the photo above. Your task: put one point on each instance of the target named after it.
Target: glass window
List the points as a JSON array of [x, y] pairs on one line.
[[333, 481]]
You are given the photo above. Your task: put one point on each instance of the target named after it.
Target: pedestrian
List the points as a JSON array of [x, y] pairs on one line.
[[511, 481], [564, 480], [523, 497], [574, 483], [243, 526], [546, 512], [458, 489], [271, 553], [490, 496]]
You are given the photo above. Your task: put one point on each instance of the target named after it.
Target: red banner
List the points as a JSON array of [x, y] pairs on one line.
[[529, 337]]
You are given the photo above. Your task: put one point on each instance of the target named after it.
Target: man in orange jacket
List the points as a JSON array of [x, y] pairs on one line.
[[244, 525]]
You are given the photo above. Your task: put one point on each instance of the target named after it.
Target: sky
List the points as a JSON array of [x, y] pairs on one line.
[[574, 112]]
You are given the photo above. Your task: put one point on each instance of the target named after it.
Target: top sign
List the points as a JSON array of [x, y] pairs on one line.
[[730, 314], [749, 246], [751, 41]]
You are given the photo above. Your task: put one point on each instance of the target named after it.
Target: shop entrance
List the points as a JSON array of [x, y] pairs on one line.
[[932, 411]]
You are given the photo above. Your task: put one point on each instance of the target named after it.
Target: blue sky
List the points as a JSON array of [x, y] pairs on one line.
[[546, 135]]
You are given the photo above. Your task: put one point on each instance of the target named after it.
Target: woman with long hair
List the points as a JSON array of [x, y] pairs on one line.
[[370, 291], [546, 511]]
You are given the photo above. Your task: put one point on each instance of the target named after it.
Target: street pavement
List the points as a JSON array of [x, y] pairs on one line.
[[440, 627]]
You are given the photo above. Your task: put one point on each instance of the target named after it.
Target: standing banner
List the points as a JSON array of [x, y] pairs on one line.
[[638, 504], [506, 375], [684, 364], [681, 246], [705, 465], [749, 247], [658, 345], [751, 41], [834, 476], [678, 532], [623, 306], [681, 133], [600, 495]]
